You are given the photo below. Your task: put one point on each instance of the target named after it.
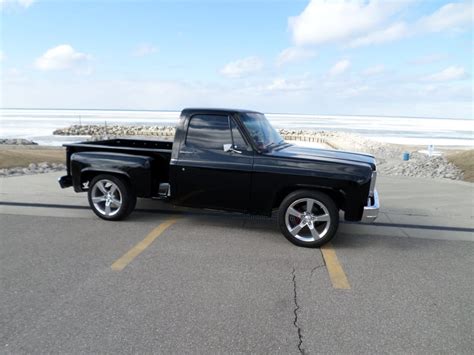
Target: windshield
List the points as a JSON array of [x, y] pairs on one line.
[[261, 131]]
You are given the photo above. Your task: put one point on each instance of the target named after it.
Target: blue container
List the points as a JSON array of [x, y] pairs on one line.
[[406, 156]]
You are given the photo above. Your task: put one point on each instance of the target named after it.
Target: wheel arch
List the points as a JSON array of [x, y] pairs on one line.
[[338, 196], [88, 174]]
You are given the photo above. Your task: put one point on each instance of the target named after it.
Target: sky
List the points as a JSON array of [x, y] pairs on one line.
[[385, 58]]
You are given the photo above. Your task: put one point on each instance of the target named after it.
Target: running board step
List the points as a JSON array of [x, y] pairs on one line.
[[164, 190]]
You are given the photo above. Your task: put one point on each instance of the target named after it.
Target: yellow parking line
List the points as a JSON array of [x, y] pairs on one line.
[[335, 270], [128, 257]]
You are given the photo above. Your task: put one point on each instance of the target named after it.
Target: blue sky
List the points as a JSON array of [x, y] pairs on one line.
[[410, 58]]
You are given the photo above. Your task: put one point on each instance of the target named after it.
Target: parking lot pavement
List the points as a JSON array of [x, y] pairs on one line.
[[229, 283], [445, 208], [407, 295], [204, 285]]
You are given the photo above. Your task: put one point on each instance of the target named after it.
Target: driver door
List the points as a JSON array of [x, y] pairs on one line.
[[206, 175]]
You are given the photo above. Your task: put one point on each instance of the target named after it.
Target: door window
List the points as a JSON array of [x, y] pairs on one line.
[[208, 132]]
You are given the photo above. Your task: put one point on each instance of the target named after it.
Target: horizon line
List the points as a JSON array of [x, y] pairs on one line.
[[270, 113]]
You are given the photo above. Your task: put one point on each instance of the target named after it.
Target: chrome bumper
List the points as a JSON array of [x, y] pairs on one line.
[[371, 211]]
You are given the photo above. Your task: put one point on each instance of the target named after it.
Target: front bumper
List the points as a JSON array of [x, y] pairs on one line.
[[65, 181], [371, 211]]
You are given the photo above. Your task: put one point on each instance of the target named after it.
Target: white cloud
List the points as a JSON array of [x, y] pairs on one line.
[[294, 54], [242, 67], [340, 67], [23, 3], [294, 84], [451, 16], [144, 49], [26, 3], [392, 33], [449, 74], [362, 23], [339, 95], [327, 21], [354, 91], [374, 70], [61, 57]]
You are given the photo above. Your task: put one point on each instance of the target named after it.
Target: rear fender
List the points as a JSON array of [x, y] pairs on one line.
[[134, 168]]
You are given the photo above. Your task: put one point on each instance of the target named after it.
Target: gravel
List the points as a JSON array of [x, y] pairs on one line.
[[389, 157], [16, 141], [40, 168]]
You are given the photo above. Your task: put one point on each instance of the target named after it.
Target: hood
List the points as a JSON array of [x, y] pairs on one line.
[[307, 153]]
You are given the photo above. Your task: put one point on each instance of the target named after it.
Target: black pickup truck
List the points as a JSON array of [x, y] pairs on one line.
[[231, 160]]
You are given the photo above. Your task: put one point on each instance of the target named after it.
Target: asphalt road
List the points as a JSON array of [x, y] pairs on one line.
[[213, 283]]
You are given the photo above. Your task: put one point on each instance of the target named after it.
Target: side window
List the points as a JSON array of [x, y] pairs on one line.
[[239, 141], [208, 132]]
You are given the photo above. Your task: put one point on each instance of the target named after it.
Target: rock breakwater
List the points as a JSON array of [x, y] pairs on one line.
[[389, 156]]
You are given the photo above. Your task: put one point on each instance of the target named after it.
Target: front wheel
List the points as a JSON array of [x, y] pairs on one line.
[[308, 218], [110, 197]]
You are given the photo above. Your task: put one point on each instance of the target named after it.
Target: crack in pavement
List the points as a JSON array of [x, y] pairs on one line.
[[295, 311], [317, 267]]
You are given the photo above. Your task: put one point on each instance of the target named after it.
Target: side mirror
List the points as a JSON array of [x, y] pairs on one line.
[[229, 148]]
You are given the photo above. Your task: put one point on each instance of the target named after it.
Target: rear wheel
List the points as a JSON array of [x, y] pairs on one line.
[[110, 197], [308, 218]]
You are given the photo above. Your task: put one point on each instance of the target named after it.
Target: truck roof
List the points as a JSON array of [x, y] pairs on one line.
[[191, 110]]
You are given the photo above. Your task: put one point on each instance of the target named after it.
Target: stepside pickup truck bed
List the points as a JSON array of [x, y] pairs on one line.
[[149, 167]]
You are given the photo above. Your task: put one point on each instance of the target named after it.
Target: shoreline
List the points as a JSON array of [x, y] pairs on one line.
[[287, 133], [37, 124], [388, 155]]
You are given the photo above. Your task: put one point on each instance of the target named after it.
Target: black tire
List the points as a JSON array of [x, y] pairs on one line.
[[109, 189], [310, 230]]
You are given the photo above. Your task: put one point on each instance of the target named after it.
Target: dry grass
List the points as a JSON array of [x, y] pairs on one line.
[[13, 157], [465, 161]]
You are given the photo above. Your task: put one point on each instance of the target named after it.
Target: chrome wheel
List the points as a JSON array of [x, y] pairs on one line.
[[307, 219], [106, 197]]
